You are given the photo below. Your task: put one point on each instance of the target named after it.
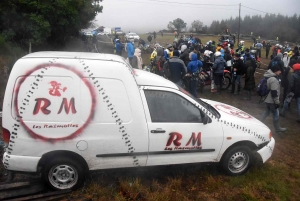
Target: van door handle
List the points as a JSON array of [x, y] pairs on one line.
[[158, 131]]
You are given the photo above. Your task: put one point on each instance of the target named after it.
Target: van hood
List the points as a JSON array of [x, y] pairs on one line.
[[234, 115]]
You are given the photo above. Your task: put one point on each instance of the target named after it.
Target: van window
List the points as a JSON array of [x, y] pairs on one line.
[[166, 106]]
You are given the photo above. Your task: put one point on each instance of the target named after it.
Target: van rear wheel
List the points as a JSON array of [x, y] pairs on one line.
[[63, 173], [237, 160]]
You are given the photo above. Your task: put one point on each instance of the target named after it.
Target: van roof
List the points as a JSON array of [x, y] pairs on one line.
[[78, 55], [145, 78]]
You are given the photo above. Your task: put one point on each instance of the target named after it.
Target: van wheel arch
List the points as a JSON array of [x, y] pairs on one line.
[[243, 147], [62, 154]]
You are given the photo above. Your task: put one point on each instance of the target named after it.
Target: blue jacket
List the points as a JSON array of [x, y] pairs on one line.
[[166, 55], [219, 65], [119, 47], [194, 65], [130, 50]]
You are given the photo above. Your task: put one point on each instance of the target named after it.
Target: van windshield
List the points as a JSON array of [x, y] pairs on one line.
[[201, 102]]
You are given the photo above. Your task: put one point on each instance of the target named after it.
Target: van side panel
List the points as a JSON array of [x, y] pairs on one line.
[[87, 106]]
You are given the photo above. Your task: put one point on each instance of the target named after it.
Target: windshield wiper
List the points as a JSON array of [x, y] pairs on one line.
[[210, 108]]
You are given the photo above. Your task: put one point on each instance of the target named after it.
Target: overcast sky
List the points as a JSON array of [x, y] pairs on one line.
[[149, 15]]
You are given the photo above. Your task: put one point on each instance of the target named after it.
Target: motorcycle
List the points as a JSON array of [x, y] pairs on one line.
[[205, 79], [145, 48]]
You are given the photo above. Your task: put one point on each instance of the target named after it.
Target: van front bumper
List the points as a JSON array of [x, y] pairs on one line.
[[267, 150], [20, 163]]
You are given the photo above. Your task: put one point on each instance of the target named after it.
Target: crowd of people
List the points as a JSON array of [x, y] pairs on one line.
[[187, 57]]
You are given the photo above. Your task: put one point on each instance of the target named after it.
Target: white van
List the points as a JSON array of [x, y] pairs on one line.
[[65, 113]]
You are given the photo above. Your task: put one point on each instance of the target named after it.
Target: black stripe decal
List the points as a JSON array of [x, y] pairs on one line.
[[155, 153]]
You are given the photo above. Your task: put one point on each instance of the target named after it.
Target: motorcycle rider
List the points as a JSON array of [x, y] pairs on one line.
[[207, 68], [168, 53], [185, 54], [218, 70], [241, 48]]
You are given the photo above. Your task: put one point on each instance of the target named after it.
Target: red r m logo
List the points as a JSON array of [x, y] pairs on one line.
[[194, 139]]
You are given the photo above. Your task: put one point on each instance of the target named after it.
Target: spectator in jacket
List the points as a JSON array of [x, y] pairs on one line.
[[268, 47], [272, 100], [193, 69], [137, 61], [249, 69], [177, 68], [237, 72], [119, 47], [294, 87], [130, 51], [218, 70], [258, 46]]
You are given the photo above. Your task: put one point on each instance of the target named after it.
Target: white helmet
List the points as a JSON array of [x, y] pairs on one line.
[[242, 42], [217, 54], [207, 53]]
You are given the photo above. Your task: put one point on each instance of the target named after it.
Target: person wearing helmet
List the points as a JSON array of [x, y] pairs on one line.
[[241, 48], [185, 54], [168, 52], [206, 60], [218, 69]]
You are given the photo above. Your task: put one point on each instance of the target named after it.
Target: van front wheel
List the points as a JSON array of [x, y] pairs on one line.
[[63, 173], [237, 160]]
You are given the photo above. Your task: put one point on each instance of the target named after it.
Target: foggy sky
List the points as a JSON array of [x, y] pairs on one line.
[[151, 15]]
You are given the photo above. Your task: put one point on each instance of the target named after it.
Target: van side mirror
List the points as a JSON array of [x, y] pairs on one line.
[[206, 119]]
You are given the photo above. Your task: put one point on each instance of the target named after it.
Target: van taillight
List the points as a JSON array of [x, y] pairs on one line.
[[6, 135]]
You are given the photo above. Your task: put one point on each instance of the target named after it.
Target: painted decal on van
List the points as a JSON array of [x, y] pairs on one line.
[[233, 111], [55, 101], [175, 139]]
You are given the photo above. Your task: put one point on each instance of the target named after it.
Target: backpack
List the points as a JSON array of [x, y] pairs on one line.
[[262, 88], [160, 63]]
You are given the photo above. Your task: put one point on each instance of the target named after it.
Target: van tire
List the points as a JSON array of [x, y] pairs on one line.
[[63, 173], [237, 160]]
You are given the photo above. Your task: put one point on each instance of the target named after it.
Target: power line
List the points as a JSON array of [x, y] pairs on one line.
[[168, 4], [199, 4], [255, 9]]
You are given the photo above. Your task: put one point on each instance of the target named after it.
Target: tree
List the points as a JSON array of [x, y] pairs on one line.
[[177, 24], [197, 25], [45, 22]]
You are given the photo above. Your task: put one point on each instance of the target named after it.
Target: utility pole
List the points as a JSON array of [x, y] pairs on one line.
[[239, 23]]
